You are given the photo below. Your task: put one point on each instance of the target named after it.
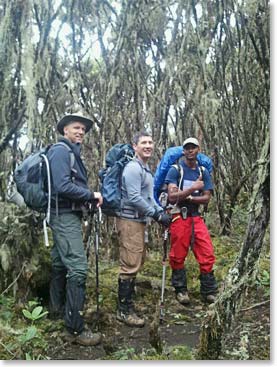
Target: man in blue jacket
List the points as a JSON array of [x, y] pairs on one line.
[[69, 194]]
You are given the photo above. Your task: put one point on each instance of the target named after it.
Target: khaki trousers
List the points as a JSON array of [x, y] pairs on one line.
[[132, 247]]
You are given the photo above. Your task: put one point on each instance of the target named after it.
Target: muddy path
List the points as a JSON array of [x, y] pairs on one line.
[[181, 325]]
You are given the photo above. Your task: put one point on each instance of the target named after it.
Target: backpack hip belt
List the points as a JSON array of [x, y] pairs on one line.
[[129, 213], [183, 211], [174, 210]]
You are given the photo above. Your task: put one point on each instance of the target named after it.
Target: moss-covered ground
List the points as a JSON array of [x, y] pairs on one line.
[[174, 339]]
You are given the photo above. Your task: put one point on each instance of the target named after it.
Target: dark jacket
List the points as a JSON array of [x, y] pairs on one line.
[[69, 186]]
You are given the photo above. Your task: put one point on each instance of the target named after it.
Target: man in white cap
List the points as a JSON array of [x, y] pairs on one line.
[[187, 192], [69, 193]]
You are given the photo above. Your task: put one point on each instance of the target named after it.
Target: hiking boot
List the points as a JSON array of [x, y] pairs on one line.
[[130, 319], [126, 311], [208, 287], [183, 298], [210, 298], [86, 338], [179, 282]]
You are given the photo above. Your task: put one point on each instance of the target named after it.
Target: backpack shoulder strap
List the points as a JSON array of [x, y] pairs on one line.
[[201, 169], [72, 157], [72, 161], [180, 170]]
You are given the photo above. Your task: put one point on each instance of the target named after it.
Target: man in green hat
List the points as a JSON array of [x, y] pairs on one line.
[[70, 193]]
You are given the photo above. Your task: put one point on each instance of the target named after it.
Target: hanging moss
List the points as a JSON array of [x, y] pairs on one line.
[[24, 259]]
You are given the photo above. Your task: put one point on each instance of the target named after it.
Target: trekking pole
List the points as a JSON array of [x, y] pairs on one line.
[[98, 220], [95, 218], [163, 200], [88, 215], [163, 276]]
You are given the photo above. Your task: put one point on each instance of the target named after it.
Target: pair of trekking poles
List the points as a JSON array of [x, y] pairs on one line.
[[94, 223]]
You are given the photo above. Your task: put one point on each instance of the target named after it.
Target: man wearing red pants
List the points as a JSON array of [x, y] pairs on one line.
[[189, 186]]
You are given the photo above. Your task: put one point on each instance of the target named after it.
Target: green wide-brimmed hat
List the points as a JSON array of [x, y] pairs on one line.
[[68, 119]]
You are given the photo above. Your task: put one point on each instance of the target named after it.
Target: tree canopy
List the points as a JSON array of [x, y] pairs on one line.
[[176, 68]]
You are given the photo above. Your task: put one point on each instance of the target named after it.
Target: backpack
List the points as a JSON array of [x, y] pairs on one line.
[[33, 182], [33, 178], [30, 178], [110, 177], [171, 157]]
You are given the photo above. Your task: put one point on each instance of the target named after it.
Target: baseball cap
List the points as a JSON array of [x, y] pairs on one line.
[[191, 141]]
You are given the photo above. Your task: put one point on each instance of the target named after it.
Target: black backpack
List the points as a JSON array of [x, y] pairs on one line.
[[30, 178], [33, 181], [110, 177]]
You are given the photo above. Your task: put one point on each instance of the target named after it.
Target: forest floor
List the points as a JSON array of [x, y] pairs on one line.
[[179, 334], [176, 337]]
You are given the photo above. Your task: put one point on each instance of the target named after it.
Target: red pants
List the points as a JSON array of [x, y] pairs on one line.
[[180, 237]]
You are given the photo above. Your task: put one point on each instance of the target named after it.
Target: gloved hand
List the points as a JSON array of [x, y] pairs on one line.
[[163, 218]]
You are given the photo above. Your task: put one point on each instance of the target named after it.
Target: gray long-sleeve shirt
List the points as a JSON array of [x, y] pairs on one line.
[[137, 192]]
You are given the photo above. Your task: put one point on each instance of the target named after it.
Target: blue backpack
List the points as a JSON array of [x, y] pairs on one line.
[[171, 156], [110, 177]]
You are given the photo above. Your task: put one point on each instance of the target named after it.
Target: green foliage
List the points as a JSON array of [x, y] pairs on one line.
[[174, 67], [29, 357], [263, 281], [30, 333], [18, 340], [32, 341], [124, 354], [22, 250], [6, 305], [36, 313], [264, 278], [178, 352]]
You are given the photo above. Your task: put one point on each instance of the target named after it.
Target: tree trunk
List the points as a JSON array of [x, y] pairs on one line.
[[218, 320]]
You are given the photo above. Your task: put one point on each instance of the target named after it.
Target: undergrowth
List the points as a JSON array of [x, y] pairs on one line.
[[25, 328]]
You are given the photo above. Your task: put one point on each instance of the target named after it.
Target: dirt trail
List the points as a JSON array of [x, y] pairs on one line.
[[249, 338], [180, 326]]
